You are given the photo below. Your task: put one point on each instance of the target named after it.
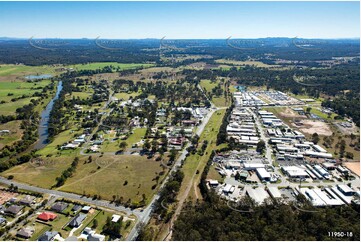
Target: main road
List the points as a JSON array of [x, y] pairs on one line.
[[144, 217]]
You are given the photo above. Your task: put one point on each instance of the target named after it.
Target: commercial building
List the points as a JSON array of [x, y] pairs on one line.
[[263, 175], [294, 172]]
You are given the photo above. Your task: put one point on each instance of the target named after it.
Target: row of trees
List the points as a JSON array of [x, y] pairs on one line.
[[67, 173]]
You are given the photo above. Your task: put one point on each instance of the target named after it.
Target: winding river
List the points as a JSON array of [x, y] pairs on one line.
[[44, 121]]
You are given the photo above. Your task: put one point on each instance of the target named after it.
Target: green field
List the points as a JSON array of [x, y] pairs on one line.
[[17, 89], [43, 176], [81, 95], [102, 217], [126, 96], [99, 65], [196, 162], [320, 114], [59, 140], [214, 175], [16, 133], [138, 134], [208, 86], [106, 177], [10, 108], [243, 63], [7, 70]]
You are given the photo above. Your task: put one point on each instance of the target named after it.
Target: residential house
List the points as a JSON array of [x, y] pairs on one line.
[[59, 206], [77, 220], [14, 210], [46, 216], [25, 232], [48, 236]]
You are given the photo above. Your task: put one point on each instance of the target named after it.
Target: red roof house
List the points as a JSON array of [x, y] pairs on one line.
[[46, 216]]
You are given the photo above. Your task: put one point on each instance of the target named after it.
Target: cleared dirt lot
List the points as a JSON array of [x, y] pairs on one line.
[[310, 127], [354, 167], [289, 113]]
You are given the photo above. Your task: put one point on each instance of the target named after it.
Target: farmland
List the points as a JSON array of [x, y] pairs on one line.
[[10, 71], [100, 65], [244, 63]]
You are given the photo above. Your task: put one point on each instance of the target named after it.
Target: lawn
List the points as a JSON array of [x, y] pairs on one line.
[[97, 65], [106, 176], [59, 223], [138, 135], [320, 114], [196, 162], [39, 230], [87, 222], [303, 96], [60, 139], [102, 218]]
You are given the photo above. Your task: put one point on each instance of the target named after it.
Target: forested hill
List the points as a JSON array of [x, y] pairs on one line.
[[72, 51], [211, 221]]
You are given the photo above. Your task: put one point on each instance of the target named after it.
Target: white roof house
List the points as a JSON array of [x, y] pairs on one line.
[[115, 218]]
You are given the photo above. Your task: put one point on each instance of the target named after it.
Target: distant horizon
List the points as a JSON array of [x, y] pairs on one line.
[[156, 38]]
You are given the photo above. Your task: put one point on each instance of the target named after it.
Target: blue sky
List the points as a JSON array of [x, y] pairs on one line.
[[127, 20]]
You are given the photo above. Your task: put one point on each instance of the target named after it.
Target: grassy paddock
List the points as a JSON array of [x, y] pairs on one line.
[[207, 85], [7, 70], [196, 162], [106, 176], [100, 65], [16, 133], [42, 176], [10, 108]]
